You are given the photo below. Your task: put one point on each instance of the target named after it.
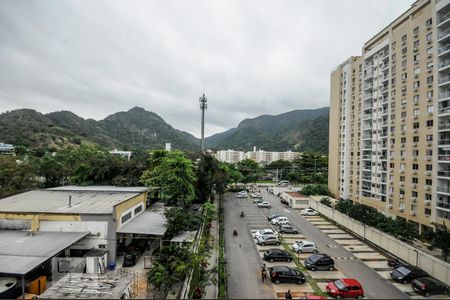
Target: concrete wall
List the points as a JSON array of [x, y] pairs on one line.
[[434, 266]]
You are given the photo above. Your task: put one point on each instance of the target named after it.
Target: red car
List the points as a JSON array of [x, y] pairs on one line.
[[345, 288]]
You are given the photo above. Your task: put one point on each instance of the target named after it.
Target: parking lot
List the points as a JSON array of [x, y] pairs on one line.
[[353, 258]]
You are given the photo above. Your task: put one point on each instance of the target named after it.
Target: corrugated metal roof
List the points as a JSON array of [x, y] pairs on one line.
[[57, 201], [101, 188], [21, 252], [148, 222]]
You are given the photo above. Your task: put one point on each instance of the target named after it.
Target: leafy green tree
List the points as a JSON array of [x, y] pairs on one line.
[[181, 219], [250, 170], [441, 239], [174, 174], [16, 176], [206, 171], [326, 201], [315, 189]]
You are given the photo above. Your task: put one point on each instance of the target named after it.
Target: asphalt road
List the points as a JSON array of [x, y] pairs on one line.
[[243, 261]]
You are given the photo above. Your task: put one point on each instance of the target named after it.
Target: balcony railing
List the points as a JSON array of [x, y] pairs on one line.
[[444, 63], [444, 110], [443, 126], [443, 49], [443, 17], [443, 205], [368, 75], [443, 33], [444, 142], [444, 95], [444, 157], [444, 173], [444, 79], [443, 189]]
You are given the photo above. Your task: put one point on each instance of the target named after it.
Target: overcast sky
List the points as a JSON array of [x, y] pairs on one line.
[[251, 57]]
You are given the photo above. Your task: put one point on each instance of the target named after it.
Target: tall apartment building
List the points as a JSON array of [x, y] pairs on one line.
[[390, 119], [230, 156], [260, 156]]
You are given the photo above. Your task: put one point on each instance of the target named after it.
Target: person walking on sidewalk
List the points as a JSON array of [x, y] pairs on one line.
[[288, 295], [263, 273]]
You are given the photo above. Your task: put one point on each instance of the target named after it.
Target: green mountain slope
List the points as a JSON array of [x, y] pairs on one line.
[[299, 130], [134, 129]]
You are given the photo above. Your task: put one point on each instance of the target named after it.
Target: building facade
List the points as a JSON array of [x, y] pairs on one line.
[[260, 156], [6, 149], [389, 122]]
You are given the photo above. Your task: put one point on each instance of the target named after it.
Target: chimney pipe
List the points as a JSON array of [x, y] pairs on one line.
[[70, 200]]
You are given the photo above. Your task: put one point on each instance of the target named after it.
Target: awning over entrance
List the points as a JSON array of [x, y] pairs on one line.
[[147, 223], [21, 251]]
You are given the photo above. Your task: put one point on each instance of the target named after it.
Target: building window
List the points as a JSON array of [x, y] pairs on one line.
[[404, 101], [393, 45], [402, 178], [415, 167], [429, 167], [415, 180], [428, 23], [404, 76], [138, 209], [404, 64], [416, 45], [428, 181], [416, 71], [430, 51], [416, 112], [430, 65], [416, 99], [403, 114], [430, 80], [429, 137], [415, 125], [414, 194], [429, 123], [416, 31], [403, 127], [429, 152], [430, 94], [416, 57], [404, 38], [427, 211], [415, 152], [416, 84], [416, 139], [429, 36], [430, 109], [125, 218], [403, 140]]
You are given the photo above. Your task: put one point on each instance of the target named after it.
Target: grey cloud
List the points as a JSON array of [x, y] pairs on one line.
[[252, 57]]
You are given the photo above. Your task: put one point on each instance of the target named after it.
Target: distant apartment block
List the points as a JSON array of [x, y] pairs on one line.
[[390, 119], [260, 156], [6, 149]]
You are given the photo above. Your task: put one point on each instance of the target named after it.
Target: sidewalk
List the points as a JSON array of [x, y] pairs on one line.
[[211, 289]]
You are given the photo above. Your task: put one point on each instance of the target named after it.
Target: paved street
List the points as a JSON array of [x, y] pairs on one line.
[[244, 261]]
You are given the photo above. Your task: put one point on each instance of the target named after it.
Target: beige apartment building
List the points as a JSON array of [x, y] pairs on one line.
[[390, 119]]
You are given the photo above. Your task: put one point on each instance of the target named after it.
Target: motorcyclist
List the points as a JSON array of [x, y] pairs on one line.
[[242, 214]]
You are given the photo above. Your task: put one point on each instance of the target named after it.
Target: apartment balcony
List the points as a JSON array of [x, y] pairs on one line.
[[443, 173], [444, 142], [444, 111], [368, 116], [367, 147], [444, 205], [443, 189], [444, 127], [443, 35], [368, 97], [367, 127], [367, 137], [368, 76], [444, 80], [368, 87], [385, 89], [367, 157], [440, 5], [444, 95], [444, 158], [444, 50]]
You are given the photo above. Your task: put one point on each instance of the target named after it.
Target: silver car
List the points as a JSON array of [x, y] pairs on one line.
[[268, 239], [305, 247]]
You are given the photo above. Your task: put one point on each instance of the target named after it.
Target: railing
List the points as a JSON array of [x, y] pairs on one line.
[[444, 173], [443, 33], [384, 89], [443, 49], [444, 63], [444, 142], [444, 157], [444, 126], [444, 79], [367, 116], [444, 110], [443, 205], [369, 86], [368, 75], [443, 189], [444, 95], [443, 17]]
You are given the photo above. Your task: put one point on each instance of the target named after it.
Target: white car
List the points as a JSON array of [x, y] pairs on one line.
[[264, 204], [255, 195], [309, 212], [280, 221], [305, 247], [242, 195], [265, 232]]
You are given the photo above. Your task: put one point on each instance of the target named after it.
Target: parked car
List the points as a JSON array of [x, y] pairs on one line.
[[345, 288], [319, 262], [309, 212], [406, 274], [280, 220], [305, 247], [427, 286], [277, 254], [242, 195], [283, 183], [273, 216], [284, 274], [288, 229], [269, 239], [265, 232], [258, 200], [264, 204], [255, 195], [130, 259], [284, 201]]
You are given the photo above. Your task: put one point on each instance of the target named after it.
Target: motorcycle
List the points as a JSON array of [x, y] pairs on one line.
[[242, 214], [395, 263], [235, 232]]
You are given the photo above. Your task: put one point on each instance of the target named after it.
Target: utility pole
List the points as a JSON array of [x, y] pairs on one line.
[[203, 107]]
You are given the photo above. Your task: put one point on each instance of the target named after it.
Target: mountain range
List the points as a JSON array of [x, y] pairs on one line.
[[300, 130]]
